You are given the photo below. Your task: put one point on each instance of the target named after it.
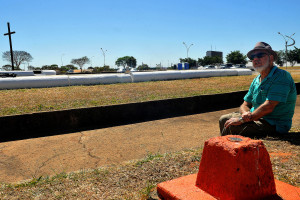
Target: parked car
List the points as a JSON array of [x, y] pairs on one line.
[[133, 70], [209, 67], [121, 70], [222, 66], [226, 66], [240, 66]]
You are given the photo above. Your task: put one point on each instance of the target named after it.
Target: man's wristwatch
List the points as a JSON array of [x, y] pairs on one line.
[[241, 120]]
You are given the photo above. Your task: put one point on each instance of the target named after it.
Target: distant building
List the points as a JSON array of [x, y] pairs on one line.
[[214, 53]]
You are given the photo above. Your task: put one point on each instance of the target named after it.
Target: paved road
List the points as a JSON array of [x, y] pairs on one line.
[[25, 159]]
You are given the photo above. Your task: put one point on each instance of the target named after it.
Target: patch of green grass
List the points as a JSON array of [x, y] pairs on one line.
[[145, 192], [30, 183], [60, 176], [149, 158]]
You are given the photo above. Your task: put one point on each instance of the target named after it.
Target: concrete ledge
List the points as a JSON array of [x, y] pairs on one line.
[[66, 121]]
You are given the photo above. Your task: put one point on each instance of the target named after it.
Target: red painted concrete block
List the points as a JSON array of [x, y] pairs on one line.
[[232, 168], [182, 188], [237, 168]]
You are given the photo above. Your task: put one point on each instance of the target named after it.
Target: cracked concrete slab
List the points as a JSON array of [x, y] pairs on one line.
[[25, 159]]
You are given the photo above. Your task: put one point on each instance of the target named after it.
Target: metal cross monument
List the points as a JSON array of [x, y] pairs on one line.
[[11, 50]]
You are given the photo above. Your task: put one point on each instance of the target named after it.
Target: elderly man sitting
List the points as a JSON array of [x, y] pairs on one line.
[[269, 105]]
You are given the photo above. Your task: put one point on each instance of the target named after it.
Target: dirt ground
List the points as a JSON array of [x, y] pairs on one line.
[[26, 159]]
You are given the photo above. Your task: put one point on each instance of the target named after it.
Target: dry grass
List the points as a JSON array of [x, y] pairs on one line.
[[135, 179], [48, 99], [138, 179]]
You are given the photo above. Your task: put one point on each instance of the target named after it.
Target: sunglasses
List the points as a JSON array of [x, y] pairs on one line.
[[258, 55]]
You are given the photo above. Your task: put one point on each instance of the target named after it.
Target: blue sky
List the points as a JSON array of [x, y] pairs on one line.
[[153, 31]]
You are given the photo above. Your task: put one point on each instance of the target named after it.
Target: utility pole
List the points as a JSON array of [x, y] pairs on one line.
[[103, 52], [287, 45]]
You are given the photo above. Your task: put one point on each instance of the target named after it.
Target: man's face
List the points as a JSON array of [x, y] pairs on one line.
[[261, 60]]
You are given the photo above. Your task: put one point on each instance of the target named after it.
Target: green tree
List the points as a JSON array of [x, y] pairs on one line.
[[174, 66], [50, 67], [64, 69], [236, 57], [210, 60], [126, 61], [280, 58], [105, 68], [192, 62], [143, 67], [7, 67], [298, 54], [19, 57], [30, 67], [80, 62], [70, 67], [45, 67], [293, 56]]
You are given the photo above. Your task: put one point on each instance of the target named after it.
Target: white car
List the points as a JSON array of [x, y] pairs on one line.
[[133, 70], [121, 70], [209, 67]]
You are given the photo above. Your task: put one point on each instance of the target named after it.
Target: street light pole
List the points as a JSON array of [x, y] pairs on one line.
[[187, 49], [62, 64], [103, 52], [92, 61], [286, 45]]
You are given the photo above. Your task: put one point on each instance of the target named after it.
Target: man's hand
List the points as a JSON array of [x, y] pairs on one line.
[[247, 116], [232, 121]]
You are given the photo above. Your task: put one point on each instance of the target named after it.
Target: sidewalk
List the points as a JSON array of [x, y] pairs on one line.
[[25, 159]]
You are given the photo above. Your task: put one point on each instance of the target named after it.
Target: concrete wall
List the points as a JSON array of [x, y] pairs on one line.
[[66, 121]]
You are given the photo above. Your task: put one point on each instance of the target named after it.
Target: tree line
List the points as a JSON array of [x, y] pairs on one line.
[[234, 57], [293, 57]]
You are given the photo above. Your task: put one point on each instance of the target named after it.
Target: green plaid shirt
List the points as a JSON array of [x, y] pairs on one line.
[[277, 86]]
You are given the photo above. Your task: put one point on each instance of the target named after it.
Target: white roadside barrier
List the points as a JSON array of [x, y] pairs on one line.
[[63, 80], [95, 79], [19, 73], [99, 79], [155, 76], [171, 75], [30, 73]]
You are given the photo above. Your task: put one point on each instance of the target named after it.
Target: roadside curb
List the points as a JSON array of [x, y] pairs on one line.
[[42, 124]]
